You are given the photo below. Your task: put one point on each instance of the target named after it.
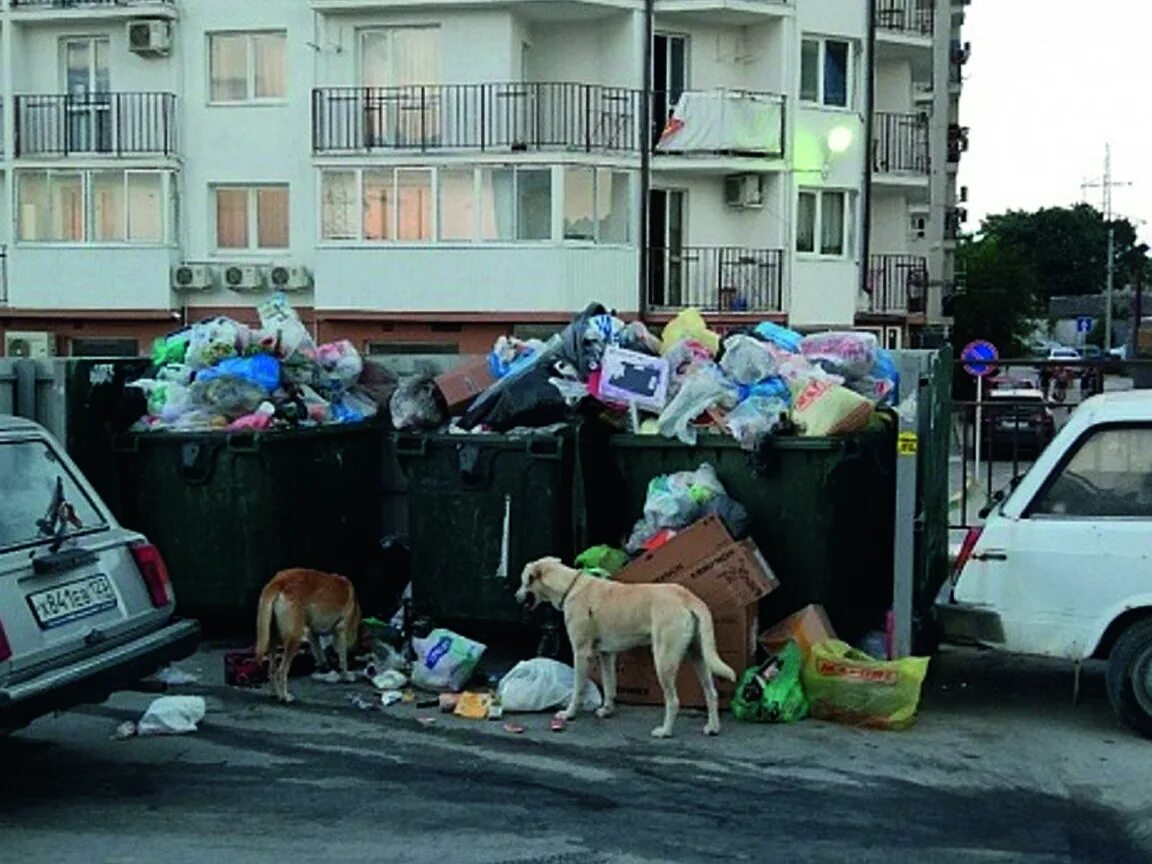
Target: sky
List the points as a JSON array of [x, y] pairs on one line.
[[1049, 84]]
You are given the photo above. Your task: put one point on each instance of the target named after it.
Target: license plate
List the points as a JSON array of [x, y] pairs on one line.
[[66, 603]]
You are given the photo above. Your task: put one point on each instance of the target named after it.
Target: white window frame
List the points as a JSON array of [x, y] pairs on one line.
[[596, 239], [250, 97], [253, 190], [821, 60], [168, 189], [848, 229]]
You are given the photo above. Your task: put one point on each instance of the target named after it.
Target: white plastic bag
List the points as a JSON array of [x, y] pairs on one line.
[[704, 389], [746, 360], [541, 683], [172, 715], [754, 419], [445, 660]]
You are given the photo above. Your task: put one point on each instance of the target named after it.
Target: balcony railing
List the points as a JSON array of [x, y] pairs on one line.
[[506, 116], [80, 4], [716, 279], [901, 144], [897, 284], [113, 124], [910, 17], [722, 122]]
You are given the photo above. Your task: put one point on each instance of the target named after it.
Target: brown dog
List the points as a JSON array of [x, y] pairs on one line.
[[306, 604], [604, 618]]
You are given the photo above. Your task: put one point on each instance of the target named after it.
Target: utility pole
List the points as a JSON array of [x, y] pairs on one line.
[[1107, 185]]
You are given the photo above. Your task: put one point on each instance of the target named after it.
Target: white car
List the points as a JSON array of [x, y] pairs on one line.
[[1062, 353], [1062, 566], [86, 607]]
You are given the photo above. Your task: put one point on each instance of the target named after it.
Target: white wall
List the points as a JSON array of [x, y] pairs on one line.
[[894, 87], [599, 51], [99, 277], [711, 222], [823, 293], [476, 279], [890, 223], [833, 17]]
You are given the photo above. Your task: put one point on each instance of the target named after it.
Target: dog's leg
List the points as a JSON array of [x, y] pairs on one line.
[[317, 651], [708, 685], [291, 625], [669, 645], [608, 677], [666, 673], [340, 642], [581, 658]]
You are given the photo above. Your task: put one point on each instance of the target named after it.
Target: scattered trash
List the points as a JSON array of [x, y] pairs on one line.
[[390, 697], [472, 706], [175, 677], [772, 692], [514, 728], [675, 501], [558, 723], [426, 721], [172, 715], [848, 686], [242, 669], [389, 680], [364, 704], [542, 683], [124, 731], [329, 677], [448, 701], [444, 660]]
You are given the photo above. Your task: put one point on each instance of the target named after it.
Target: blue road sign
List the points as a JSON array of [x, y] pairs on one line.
[[979, 357], [1083, 324]]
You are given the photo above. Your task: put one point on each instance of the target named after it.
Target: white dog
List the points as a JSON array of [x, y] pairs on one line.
[[604, 618]]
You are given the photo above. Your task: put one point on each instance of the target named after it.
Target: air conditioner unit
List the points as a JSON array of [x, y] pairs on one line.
[[963, 197], [190, 278], [744, 191], [243, 279], [150, 38], [29, 346], [283, 278]]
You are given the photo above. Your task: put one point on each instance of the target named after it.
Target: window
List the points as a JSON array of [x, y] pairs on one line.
[[824, 223], [503, 204], [252, 217], [1110, 475], [247, 67], [31, 472], [826, 72], [97, 206]]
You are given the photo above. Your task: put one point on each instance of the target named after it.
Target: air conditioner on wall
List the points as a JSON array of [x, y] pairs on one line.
[[243, 278], [744, 191], [148, 38], [190, 278], [283, 278], [29, 346]]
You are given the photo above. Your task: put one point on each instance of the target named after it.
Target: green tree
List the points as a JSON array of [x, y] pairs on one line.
[[1001, 297], [1067, 247]]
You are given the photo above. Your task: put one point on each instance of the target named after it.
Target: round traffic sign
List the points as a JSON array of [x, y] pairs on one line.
[[979, 357]]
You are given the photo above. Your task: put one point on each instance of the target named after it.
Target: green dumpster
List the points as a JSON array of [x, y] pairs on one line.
[[482, 506], [229, 509], [821, 511]]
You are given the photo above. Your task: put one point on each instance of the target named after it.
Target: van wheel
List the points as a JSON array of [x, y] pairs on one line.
[[1130, 677]]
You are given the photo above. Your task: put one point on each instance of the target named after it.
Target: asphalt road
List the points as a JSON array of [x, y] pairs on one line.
[[984, 776]]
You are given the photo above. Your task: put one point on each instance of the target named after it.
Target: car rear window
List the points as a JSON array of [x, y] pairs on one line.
[[39, 498]]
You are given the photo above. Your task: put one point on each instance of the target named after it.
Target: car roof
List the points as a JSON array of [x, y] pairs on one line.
[[11, 423], [1117, 407]]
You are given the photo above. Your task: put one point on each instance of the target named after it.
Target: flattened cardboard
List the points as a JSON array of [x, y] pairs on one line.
[[632, 377], [693, 544], [465, 383], [807, 627]]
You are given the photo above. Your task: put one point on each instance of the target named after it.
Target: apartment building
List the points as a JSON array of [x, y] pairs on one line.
[[426, 174]]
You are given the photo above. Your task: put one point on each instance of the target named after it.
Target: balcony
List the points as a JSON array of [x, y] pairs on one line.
[[716, 279], [80, 10], [724, 12], [97, 124], [900, 144], [718, 122], [897, 284], [503, 117], [915, 18]]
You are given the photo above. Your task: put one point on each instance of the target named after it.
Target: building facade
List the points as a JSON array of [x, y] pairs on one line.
[[430, 173]]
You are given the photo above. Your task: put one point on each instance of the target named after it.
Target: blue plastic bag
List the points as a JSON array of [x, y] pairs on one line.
[[885, 370], [262, 370], [781, 337], [770, 388]]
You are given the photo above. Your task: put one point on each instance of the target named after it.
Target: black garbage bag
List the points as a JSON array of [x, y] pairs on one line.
[[528, 400], [417, 404], [575, 346]]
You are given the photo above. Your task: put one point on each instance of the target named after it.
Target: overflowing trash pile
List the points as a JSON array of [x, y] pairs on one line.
[[222, 374], [761, 381]]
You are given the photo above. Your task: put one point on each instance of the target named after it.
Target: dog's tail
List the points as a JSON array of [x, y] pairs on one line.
[[706, 633], [264, 620]]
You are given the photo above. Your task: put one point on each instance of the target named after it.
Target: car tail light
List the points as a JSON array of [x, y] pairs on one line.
[[967, 547], [154, 572], [5, 648]]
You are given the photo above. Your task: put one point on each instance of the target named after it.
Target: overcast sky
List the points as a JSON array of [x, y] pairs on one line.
[[1049, 83]]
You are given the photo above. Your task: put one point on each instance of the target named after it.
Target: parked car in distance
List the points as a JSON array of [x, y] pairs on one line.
[[1062, 352], [1062, 566], [1017, 419], [86, 606]]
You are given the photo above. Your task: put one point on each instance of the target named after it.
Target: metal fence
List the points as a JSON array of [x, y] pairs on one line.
[[716, 279], [115, 124], [897, 284], [915, 17], [901, 143], [505, 116]]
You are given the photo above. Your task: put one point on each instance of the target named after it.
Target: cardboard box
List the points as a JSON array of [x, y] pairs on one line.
[[806, 628], [465, 383], [729, 577], [631, 377]]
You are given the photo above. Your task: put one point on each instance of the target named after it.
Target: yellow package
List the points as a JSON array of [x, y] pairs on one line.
[[689, 324], [848, 686], [822, 408], [473, 706]]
